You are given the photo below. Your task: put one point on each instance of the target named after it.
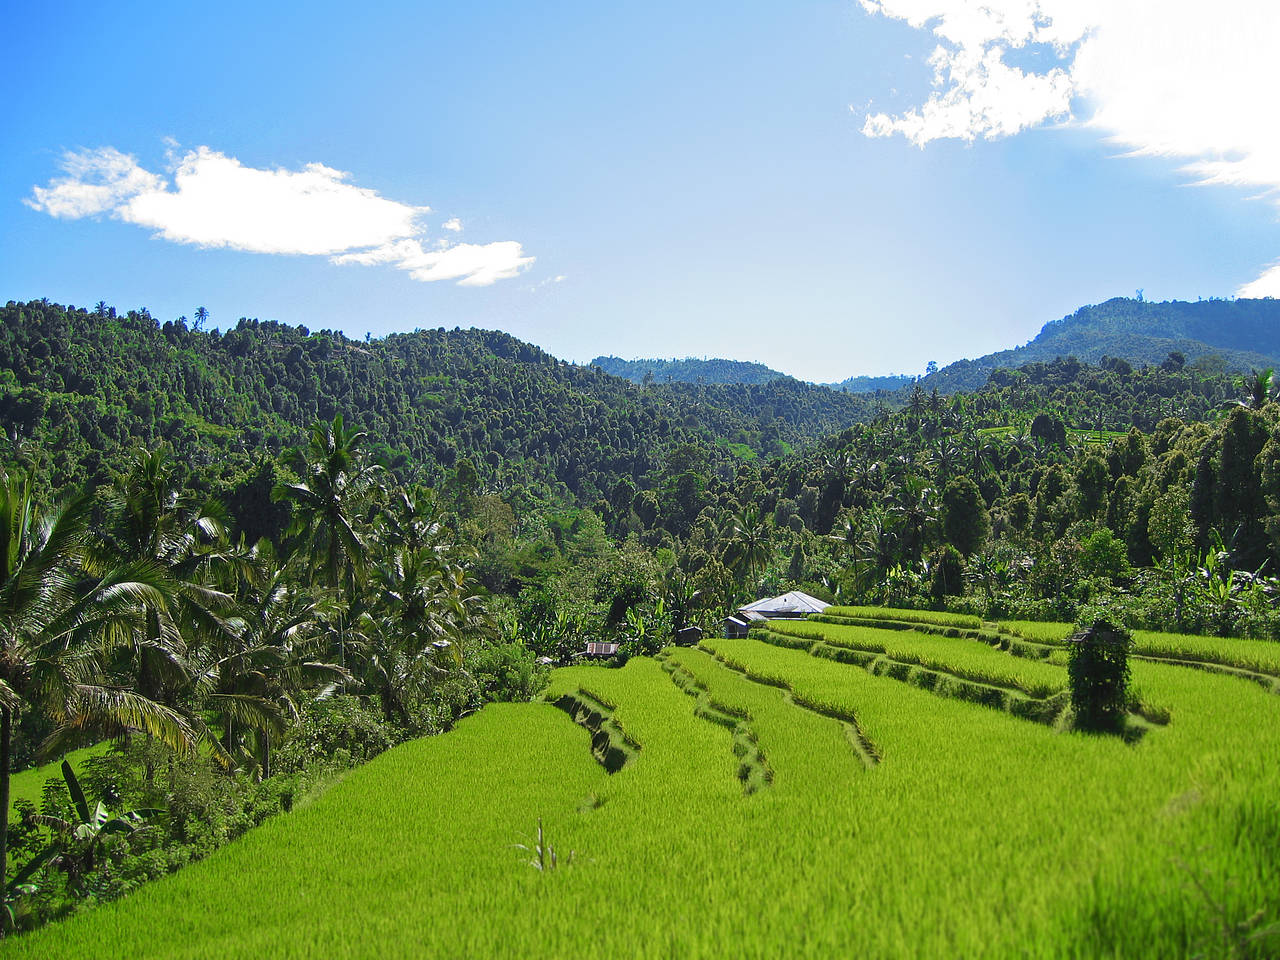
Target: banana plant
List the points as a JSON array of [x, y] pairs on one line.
[[76, 845]]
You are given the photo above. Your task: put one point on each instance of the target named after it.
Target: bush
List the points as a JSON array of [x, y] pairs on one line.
[[948, 573], [1102, 555], [338, 731], [1098, 672], [507, 672]]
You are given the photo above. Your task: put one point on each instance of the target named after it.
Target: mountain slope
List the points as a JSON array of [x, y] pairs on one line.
[[688, 370], [1244, 333], [78, 388]]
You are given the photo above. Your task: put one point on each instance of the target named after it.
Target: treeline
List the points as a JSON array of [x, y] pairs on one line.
[[78, 388], [990, 503]]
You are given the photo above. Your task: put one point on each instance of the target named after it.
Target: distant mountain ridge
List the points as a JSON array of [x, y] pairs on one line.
[[718, 370], [1245, 334], [869, 384], [1242, 334], [688, 370]]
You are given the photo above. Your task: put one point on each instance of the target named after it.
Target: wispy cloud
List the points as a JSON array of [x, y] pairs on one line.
[[212, 200], [1175, 78], [453, 224]]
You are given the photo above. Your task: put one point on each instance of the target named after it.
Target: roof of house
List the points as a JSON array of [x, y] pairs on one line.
[[794, 602]]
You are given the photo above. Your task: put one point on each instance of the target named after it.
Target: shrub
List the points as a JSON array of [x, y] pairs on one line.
[[337, 730], [507, 672], [1098, 672], [948, 573]]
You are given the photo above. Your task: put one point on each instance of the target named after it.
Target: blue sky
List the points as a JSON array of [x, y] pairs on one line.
[[657, 179]]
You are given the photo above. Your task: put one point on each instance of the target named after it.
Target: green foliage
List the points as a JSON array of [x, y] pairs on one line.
[[337, 730], [1103, 555], [1098, 669], [688, 370], [84, 391], [507, 672], [1237, 334], [947, 576], [965, 520]]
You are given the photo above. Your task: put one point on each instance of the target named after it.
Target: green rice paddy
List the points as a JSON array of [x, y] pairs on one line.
[[772, 803]]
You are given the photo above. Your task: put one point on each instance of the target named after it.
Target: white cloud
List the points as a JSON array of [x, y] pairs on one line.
[[453, 224], [215, 201], [1267, 285], [1172, 78], [472, 265], [96, 181]]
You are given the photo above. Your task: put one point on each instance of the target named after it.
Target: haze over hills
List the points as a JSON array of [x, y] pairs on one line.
[[1242, 334], [719, 370]]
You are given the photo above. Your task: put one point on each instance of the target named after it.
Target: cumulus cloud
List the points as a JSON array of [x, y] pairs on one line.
[[1171, 78], [453, 224], [213, 200]]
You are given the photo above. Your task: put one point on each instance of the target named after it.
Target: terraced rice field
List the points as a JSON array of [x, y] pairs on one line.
[[1257, 659], [766, 802]]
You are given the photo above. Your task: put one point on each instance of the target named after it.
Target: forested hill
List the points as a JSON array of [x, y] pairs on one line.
[[688, 370], [868, 384], [1245, 334], [78, 387]]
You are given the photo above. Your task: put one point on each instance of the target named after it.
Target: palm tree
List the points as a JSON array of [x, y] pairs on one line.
[[201, 316], [1259, 389], [915, 502], [152, 521], [280, 658], [334, 480], [60, 616], [749, 547]]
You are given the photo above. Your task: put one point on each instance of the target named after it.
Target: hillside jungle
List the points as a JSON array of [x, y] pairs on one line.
[[251, 560]]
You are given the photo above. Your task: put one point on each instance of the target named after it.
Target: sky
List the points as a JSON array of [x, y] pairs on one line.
[[831, 187]]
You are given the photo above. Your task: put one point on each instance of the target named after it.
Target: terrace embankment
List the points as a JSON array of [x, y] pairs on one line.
[[997, 693], [858, 741], [609, 742], [753, 768]]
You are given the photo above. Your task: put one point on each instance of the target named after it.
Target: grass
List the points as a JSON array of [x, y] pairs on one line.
[[975, 835], [936, 617]]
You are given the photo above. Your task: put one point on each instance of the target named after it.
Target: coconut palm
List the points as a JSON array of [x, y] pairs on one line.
[[61, 616], [1259, 389], [280, 662], [749, 547], [151, 520], [334, 481]]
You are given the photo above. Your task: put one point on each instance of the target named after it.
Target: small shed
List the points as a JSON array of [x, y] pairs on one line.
[[689, 636], [600, 650]]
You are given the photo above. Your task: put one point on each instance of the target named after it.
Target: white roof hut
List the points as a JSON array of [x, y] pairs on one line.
[[794, 604]]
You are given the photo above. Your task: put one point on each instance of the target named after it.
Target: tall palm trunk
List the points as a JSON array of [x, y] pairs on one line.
[[6, 735]]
